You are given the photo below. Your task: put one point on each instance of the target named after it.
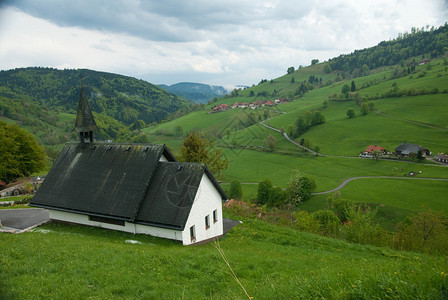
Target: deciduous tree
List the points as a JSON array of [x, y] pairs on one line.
[[300, 188], [271, 141], [20, 154], [364, 108], [198, 149], [350, 113], [264, 191], [345, 90]]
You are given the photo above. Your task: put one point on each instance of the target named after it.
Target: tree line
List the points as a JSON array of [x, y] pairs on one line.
[[388, 53]]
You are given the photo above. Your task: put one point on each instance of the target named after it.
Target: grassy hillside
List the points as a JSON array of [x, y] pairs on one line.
[[409, 105], [63, 261]]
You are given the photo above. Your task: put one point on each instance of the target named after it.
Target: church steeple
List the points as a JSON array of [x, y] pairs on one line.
[[85, 123]]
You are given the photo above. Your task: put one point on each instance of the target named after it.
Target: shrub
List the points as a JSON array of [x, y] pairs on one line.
[[426, 231], [277, 196], [305, 222], [361, 228], [264, 190], [236, 191], [342, 207], [328, 222]]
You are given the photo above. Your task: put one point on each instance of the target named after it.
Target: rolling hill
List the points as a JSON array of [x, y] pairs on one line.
[[406, 91], [408, 102], [196, 92], [44, 101]]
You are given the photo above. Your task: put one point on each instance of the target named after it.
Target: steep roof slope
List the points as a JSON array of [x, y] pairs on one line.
[[84, 118], [123, 182], [104, 179], [171, 194]]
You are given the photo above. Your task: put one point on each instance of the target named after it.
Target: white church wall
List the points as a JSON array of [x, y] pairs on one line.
[[206, 201], [128, 227]]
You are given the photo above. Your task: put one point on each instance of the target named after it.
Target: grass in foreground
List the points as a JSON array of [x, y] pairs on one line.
[[61, 261]]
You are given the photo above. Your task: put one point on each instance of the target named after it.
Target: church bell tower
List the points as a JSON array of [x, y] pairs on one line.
[[85, 123]]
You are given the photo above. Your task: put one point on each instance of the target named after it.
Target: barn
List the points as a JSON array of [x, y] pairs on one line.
[[136, 188]]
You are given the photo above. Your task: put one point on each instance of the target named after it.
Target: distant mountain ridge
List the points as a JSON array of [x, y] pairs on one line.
[[196, 92]]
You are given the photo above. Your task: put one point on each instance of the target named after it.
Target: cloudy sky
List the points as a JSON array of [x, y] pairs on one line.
[[221, 42]]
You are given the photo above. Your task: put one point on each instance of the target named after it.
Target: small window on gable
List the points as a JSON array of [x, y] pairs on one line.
[[215, 216], [207, 222], [192, 233]]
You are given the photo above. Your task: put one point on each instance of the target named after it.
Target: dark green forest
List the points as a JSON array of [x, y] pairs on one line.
[[44, 101], [123, 98], [431, 42]]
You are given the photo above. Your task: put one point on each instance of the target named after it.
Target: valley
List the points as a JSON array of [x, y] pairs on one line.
[[384, 96]]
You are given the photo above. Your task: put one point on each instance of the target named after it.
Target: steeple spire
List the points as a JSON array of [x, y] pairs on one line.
[[85, 123]]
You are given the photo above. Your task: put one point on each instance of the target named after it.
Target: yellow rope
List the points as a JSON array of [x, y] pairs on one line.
[[218, 247]]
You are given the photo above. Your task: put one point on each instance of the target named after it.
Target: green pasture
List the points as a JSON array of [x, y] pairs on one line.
[[59, 261], [328, 172], [427, 77], [350, 136], [395, 198], [215, 124], [411, 194], [66, 117], [429, 109]]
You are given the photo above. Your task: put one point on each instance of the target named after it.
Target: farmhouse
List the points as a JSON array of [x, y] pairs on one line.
[[442, 158], [405, 149], [137, 188], [371, 150]]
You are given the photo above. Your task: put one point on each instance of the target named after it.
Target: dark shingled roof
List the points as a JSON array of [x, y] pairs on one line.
[[84, 118], [171, 194], [406, 149], [125, 182]]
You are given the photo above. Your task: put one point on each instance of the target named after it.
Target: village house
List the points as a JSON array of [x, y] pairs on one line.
[[136, 188], [406, 150], [221, 107], [424, 61], [442, 158], [252, 105], [371, 150]]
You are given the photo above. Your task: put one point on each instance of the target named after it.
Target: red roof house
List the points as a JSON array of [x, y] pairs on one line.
[[372, 148]]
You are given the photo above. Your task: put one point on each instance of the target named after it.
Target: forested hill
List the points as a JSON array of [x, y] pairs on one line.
[[388, 53], [123, 98], [196, 92]]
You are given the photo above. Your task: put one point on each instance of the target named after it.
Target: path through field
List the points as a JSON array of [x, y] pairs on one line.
[[370, 177]]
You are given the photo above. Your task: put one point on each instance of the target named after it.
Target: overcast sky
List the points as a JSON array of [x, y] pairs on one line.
[[220, 42]]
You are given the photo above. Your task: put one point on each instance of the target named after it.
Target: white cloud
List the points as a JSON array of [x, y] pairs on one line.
[[217, 42]]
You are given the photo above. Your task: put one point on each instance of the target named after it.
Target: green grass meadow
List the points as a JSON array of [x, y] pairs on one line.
[[60, 261], [413, 119]]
